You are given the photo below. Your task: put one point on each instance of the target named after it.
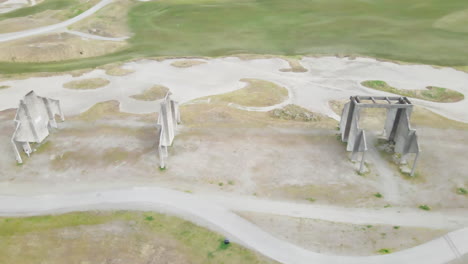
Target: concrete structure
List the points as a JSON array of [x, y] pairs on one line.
[[397, 125], [34, 119], [169, 117]]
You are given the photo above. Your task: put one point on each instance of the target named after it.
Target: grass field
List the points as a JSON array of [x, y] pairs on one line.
[[388, 29], [115, 237]]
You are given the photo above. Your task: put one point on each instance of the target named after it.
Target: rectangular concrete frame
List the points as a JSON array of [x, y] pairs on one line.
[[168, 119], [34, 119], [397, 126]]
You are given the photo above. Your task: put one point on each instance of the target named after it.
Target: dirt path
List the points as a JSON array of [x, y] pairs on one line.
[[386, 174], [51, 28], [219, 219]]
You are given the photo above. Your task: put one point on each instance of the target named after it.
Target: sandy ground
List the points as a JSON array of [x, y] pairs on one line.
[[337, 238], [328, 78], [246, 160]]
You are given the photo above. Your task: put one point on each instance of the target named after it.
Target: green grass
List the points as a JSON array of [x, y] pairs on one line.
[[194, 243], [388, 29], [384, 251], [378, 195], [432, 93], [4, 86], [310, 199], [462, 191], [425, 207]]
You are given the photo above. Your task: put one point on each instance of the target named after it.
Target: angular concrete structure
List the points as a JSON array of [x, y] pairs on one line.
[[397, 125], [34, 119], [168, 119]]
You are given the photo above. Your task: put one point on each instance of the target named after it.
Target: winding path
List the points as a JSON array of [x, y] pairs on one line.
[[211, 214], [54, 27]]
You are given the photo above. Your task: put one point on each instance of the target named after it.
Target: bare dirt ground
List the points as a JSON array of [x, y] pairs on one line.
[[341, 238], [222, 149], [55, 46]]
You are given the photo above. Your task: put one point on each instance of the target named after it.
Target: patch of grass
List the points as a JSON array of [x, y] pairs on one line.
[[433, 93], [220, 184], [257, 93], [45, 146], [387, 205], [86, 84], [462, 191], [425, 207], [4, 86], [34, 237], [152, 94], [296, 113], [310, 199], [369, 226], [187, 63], [231, 182], [396, 227], [384, 251], [378, 195]]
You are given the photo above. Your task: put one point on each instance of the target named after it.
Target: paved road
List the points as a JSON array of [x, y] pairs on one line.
[[211, 214], [51, 28]]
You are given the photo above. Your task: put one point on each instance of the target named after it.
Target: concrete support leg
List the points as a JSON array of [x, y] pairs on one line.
[[414, 164], [361, 168], [162, 157], [27, 148], [17, 153]]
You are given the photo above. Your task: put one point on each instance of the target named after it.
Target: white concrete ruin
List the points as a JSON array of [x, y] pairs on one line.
[[34, 119], [397, 126], [168, 119]]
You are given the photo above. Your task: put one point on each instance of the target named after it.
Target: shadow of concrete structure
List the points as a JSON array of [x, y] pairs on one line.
[[34, 119], [397, 126], [168, 119]]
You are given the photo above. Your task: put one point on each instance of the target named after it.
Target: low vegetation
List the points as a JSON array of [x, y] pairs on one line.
[[172, 28], [4, 86], [187, 63], [107, 237], [295, 112], [86, 84], [152, 94], [378, 195], [385, 251], [462, 191], [117, 70], [432, 93], [257, 93], [425, 207]]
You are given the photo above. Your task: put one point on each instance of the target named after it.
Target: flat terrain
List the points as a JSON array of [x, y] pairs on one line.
[[358, 28], [115, 237]]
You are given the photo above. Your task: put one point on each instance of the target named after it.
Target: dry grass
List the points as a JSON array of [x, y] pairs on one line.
[[4, 86], [115, 237], [293, 61], [221, 115], [257, 93], [86, 84], [342, 238], [55, 47], [294, 64], [295, 112], [110, 21], [37, 20], [434, 94], [187, 63], [152, 94], [116, 70]]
